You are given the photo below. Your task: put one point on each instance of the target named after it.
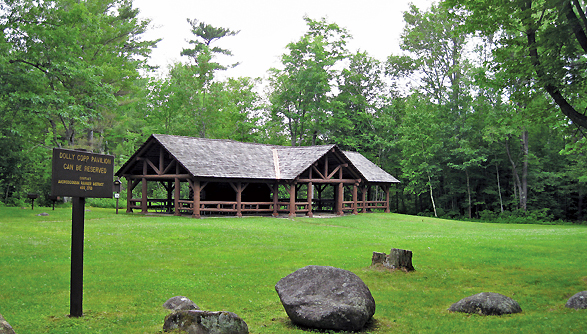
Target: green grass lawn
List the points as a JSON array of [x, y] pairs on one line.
[[134, 263]]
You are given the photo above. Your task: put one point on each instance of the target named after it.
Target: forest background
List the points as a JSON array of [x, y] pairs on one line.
[[480, 116]]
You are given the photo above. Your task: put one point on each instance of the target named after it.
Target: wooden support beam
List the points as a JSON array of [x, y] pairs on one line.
[[333, 172], [275, 199], [176, 195], [171, 164], [386, 188], [292, 201], [197, 190], [152, 166], [130, 186], [310, 194], [317, 171], [332, 181], [144, 189], [355, 202], [239, 199], [340, 199], [177, 192], [161, 177]]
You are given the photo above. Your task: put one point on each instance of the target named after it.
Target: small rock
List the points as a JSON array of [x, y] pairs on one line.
[[43, 214], [578, 301], [5, 327], [487, 303], [180, 303], [205, 322], [326, 298]]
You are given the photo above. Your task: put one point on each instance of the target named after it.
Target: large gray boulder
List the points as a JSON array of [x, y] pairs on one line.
[[487, 303], [578, 301], [5, 327], [205, 322], [180, 303], [326, 298]]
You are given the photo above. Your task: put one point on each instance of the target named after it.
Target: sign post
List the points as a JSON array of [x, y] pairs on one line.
[[116, 189], [80, 174], [33, 197]]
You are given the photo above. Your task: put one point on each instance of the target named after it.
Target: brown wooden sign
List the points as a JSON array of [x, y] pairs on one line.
[[82, 174]]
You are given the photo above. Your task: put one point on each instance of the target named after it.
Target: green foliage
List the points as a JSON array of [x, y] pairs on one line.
[[67, 69], [301, 92], [542, 42]]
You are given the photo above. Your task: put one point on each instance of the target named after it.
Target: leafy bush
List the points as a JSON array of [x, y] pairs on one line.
[[487, 215], [104, 203]]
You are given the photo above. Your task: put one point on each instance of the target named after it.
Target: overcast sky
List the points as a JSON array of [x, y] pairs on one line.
[[267, 26]]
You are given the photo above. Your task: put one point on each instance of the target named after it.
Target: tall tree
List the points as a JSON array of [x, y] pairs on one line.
[[546, 40], [434, 58], [421, 165], [301, 92], [64, 65], [203, 68], [70, 60], [359, 121]]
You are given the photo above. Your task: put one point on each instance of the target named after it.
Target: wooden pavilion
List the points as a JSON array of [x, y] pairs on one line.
[[209, 176]]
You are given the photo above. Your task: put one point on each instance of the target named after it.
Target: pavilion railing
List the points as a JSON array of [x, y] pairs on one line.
[[301, 206]]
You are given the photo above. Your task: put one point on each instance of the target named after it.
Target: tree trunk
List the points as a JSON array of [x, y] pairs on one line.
[[517, 182], [544, 79], [499, 187], [397, 259], [524, 185], [468, 191], [580, 203], [432, 196]]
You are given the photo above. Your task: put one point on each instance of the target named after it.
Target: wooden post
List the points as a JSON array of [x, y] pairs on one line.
[[340, 199], [176, 196], [144, 195], [144, 189], [161, 160], [355, 202], [310, 194], [196, 205], [77, 257], [386, 199], [275, 199], [129, 189], [369, 195], [292, 200], [239, 197]]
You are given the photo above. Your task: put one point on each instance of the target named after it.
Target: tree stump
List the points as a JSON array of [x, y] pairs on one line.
[[378, 258], [397, 259], [400, 259]]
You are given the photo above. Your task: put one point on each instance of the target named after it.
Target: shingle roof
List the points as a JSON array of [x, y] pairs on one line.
[[295, 160], [368, 169], [231, 159], [220, 158]]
